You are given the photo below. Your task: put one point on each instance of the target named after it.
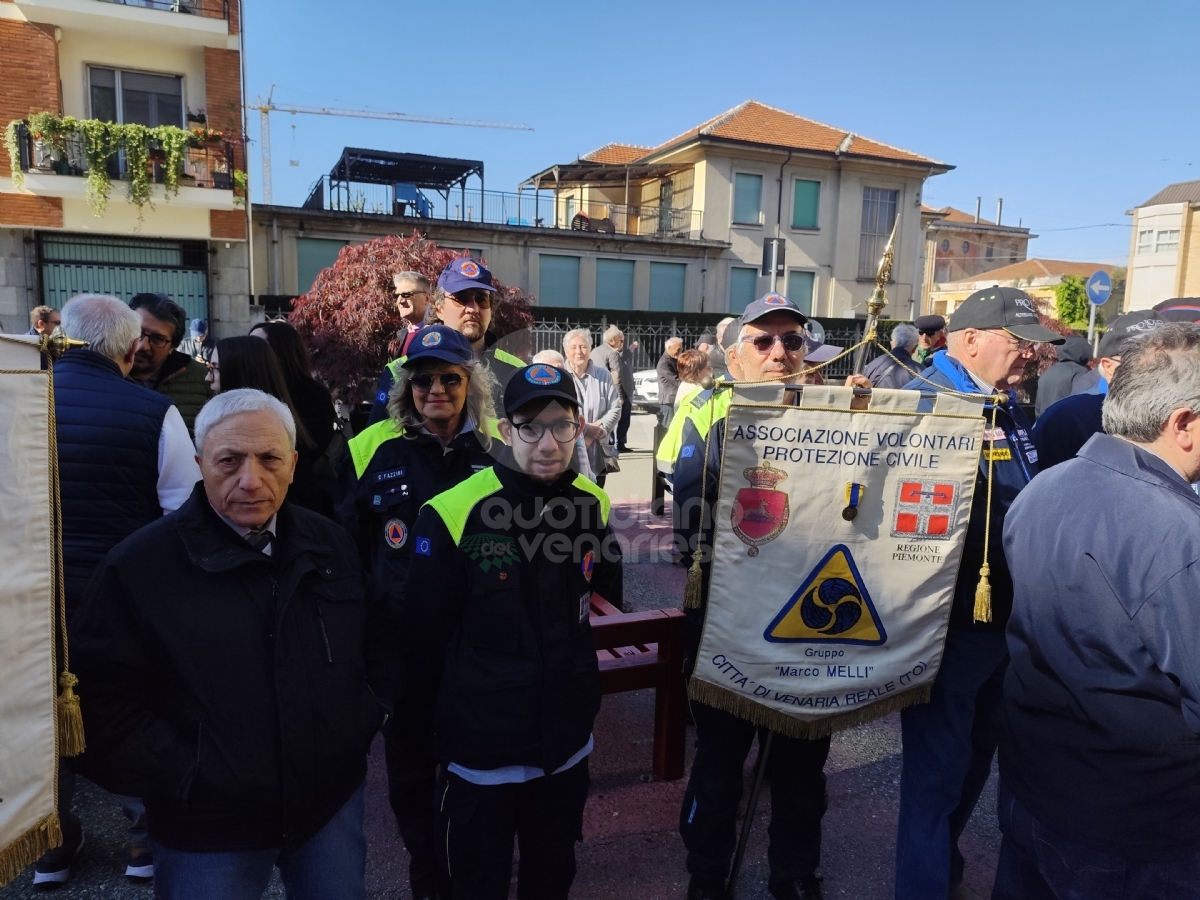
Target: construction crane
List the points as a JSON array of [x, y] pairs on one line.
[[265, 110]]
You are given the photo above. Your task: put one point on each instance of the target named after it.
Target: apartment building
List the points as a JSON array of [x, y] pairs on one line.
[[174, 218], [1166, 232]]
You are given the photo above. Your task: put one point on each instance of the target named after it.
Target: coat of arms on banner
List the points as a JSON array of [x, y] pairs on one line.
[[831, 606], [925, 509], [760, 513]]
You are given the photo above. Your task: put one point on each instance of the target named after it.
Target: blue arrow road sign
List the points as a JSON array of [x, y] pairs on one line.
[[1099, 286]]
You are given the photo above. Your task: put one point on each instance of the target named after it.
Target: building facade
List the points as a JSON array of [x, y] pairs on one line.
[[960, 246], [1164, 249], [1036, 277], [159, 63]]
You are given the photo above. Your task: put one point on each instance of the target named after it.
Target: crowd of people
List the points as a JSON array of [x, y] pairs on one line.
[[431, 578]]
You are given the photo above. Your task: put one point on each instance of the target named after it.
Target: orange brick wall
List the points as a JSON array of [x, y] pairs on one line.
[[223, 89], [235, 18], [227, 224], [28, 74], [30, 211]]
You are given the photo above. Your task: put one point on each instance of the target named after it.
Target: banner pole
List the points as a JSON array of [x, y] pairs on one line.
[[748, 821], [878, 299]]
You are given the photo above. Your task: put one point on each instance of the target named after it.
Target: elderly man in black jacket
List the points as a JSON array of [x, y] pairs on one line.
[[241, 701]]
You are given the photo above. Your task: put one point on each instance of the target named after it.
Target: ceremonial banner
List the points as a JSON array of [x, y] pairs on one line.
[[837, 541], [28, 757]]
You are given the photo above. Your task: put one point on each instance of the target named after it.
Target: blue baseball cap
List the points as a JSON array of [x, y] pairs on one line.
[[770, 303], [439, 342], [465, 273]]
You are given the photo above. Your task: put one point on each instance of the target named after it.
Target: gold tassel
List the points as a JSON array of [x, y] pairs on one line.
[[70, 717], [983, 595], [692, 596]]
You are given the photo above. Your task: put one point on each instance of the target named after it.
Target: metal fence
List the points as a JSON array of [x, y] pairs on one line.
[[209, 9], [532, 209]]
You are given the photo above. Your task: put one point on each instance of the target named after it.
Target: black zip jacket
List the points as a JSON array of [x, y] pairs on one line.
[[504, 620], [235, 693]]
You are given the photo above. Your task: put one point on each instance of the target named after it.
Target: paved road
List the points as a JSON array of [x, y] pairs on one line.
[[631, 847]]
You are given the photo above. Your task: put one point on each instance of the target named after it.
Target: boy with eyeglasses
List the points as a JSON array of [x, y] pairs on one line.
[[504, 568]]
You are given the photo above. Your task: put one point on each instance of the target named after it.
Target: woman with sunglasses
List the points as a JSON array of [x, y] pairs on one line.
[[438, 432]]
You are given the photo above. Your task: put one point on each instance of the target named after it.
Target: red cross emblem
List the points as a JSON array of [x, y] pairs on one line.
[[925, 509]]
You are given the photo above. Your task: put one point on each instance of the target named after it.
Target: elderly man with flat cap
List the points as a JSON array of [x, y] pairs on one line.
[[240, 704], [1062, 430], [950, 741], [932, 331]]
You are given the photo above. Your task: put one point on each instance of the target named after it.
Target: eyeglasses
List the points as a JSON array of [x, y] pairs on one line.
[[406, 295], [213, 367], [156, 340], [423, 381], [792, 341], [565, 431], [1020, 346], [483, 299]]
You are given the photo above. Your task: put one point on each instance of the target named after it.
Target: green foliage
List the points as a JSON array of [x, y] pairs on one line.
[[1071, 303], [1116, 300], [104, 140]]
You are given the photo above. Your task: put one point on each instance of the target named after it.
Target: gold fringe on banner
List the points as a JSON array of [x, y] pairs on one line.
[[752, 711], [29, 847]]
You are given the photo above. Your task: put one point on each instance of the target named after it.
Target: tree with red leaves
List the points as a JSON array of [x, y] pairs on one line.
[[349, 318]]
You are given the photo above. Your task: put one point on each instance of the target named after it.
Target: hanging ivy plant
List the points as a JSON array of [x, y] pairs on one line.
[[100, 144], [13, 144], [174, 143]]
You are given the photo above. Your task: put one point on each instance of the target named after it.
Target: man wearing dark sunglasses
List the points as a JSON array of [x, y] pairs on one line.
[[932, 331], [771, 340], [503, 574], [463, 300], [413, 291]]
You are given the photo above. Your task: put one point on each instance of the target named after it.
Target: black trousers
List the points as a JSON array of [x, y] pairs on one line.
[[477, 824], [623, 422], [412, 779]]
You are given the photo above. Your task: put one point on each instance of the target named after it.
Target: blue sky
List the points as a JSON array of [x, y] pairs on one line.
[[1072, 111]]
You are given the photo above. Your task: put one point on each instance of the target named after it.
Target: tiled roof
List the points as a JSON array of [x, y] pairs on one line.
[[957, 215], [1038, 268], [1181, 192], [756, 123], [615, 154]]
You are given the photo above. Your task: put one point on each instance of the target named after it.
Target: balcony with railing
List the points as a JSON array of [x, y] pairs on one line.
[[533, 209], [204, 23], [61, 166], [208, 9]]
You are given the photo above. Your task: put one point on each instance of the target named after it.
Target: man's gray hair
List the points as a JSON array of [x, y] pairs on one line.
[[580, 333], [906, 336], [611, 333], [722, 325], [1159, 373], [481, 385], [108, 325], [413, 278], [675, 341], [243, 400], [550, 358]]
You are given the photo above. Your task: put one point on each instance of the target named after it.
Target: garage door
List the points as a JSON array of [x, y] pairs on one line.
[[78, 264]]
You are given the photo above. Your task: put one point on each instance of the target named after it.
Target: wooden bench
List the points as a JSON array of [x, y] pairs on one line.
[[645, 650]]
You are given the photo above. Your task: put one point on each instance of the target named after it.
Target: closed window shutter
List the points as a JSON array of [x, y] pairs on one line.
[[743, 288], [805, 203], [747, 199], [666, 286], [614, 284], [558, 280], [800, 290]]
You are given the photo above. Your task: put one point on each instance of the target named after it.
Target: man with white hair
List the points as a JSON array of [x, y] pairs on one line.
[[613, 356], [240, 704], [668, 379], [600, 402], [125, 459], [1100, 741], [900, 368]]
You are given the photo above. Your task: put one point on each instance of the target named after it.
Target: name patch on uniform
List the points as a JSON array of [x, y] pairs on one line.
[[688, 452], [994, 434], [390, 474], [395, 533], [424, 546], [585, 606], [997, 454]]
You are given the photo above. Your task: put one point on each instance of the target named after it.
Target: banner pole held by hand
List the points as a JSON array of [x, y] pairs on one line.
[[763, 761]]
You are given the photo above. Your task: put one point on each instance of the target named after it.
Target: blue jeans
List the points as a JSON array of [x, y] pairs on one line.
[[948, 748], [1037, 863], [331, 865]]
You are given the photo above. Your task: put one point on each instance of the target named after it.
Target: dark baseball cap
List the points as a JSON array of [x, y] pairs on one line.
[[1140, 321], [768, 304], [537, 382], [1003, 307], [929, 323], [465, 273], [440, 342]]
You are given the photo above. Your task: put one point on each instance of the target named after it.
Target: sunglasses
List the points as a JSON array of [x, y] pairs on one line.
[[423, 381], [483, 300], [930, 332], [407, 295], [763, 343]]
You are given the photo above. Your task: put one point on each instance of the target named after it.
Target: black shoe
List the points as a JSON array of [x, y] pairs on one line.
[[139, 865], [625, 448], [806, 888], [706, 887], [54, 868]]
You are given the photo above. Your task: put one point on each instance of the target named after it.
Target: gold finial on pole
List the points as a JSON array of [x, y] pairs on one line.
[[878, 299], [56, 343]]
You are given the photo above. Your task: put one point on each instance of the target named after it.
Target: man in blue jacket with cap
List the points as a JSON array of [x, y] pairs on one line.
[[949, 742]]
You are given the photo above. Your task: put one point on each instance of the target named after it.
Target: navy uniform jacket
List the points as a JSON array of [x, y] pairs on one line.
[[1009, 477], [1062, 430], [1101, 731]]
